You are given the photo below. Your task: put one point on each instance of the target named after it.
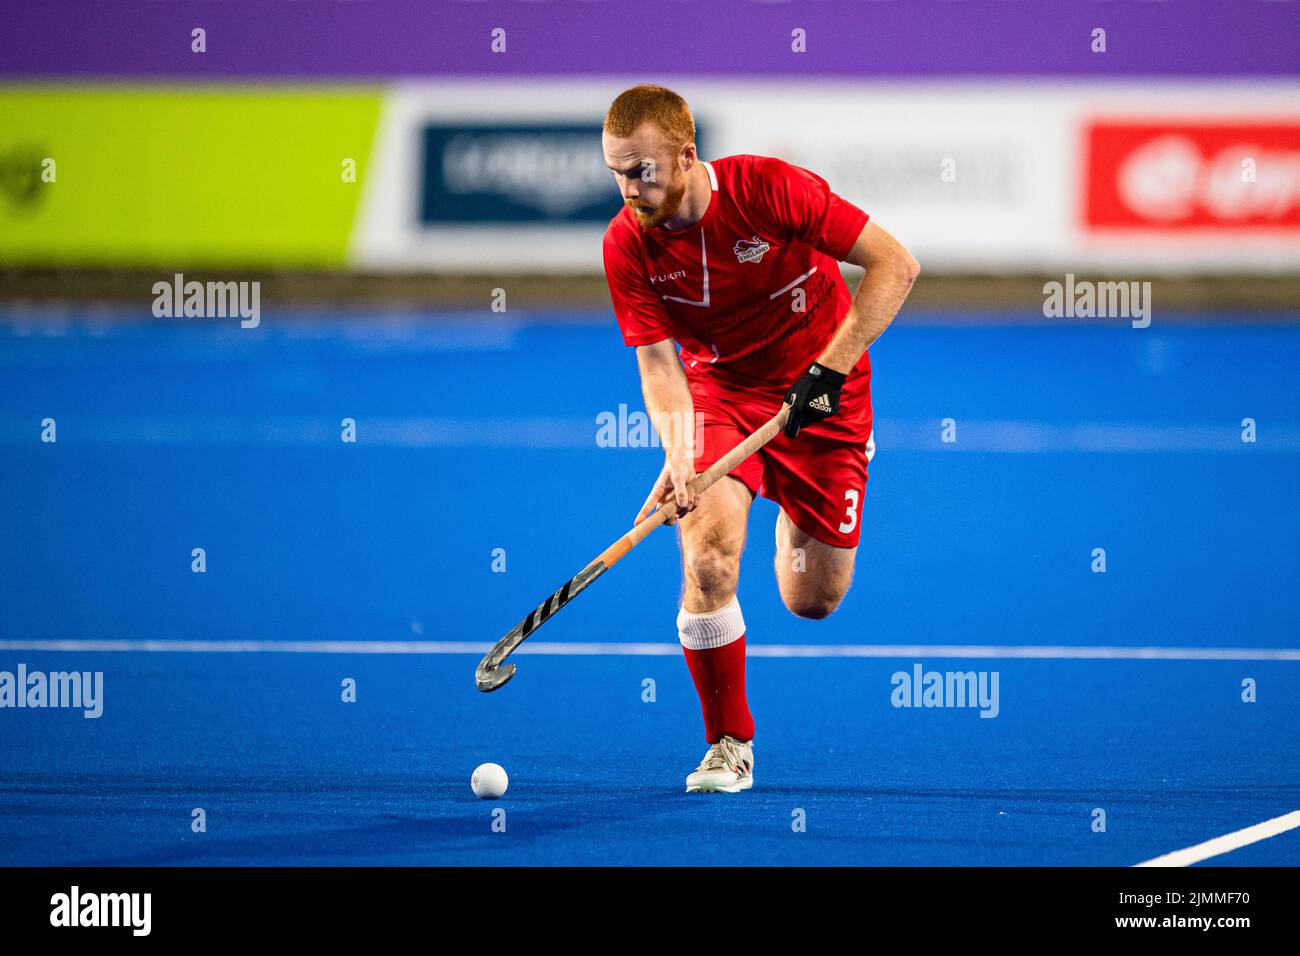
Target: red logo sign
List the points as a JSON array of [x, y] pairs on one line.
[[1223, 175]]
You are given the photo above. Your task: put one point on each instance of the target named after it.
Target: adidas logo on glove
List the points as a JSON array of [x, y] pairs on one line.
[[816, 396]]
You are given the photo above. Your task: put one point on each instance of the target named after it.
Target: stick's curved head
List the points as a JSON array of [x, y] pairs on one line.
[[488, 678]]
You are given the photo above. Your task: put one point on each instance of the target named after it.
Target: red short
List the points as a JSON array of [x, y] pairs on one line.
[[818, 481]]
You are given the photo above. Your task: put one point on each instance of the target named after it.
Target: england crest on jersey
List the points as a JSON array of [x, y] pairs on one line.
[[751, 250]]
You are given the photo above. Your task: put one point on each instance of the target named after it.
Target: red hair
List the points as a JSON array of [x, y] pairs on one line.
[[654, 104]]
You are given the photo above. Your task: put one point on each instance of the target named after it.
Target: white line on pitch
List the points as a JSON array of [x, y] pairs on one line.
[[588, 649], [576, 432], [1228, 842]]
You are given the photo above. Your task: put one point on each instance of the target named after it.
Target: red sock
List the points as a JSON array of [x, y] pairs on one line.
[[719, 675]]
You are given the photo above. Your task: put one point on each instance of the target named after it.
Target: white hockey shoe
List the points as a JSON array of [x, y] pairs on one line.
[[728, 767]]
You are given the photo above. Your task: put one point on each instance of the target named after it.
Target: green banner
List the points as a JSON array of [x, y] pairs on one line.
[[182, 177]]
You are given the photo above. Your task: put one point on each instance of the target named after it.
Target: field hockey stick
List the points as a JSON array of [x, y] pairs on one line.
[[491, 674]]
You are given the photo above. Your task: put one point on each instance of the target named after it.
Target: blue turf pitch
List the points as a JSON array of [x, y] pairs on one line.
[[475, 434]]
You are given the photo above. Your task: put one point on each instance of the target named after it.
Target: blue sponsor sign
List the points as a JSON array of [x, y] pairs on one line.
[[546, 173]]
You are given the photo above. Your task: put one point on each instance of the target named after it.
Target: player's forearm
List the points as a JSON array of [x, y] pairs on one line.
[[883, 290], [668, 402]]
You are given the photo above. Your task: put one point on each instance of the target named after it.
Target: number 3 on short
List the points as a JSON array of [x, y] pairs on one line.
[[851, 512]]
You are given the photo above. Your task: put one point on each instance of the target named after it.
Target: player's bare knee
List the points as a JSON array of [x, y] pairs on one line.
[[713, 571], [814, 602], [814, 608]]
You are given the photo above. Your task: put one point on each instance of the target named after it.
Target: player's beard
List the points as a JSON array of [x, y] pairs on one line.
[[649, 217]]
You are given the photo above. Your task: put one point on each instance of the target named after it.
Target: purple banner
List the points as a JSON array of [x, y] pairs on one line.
[[391, 38]]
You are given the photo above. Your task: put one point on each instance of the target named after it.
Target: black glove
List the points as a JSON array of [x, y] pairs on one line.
[[814, 398]]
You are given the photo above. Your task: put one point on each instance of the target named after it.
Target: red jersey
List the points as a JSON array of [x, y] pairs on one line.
[[725, 288]]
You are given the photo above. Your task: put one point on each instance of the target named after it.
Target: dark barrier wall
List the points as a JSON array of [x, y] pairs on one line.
[[385, 38]]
